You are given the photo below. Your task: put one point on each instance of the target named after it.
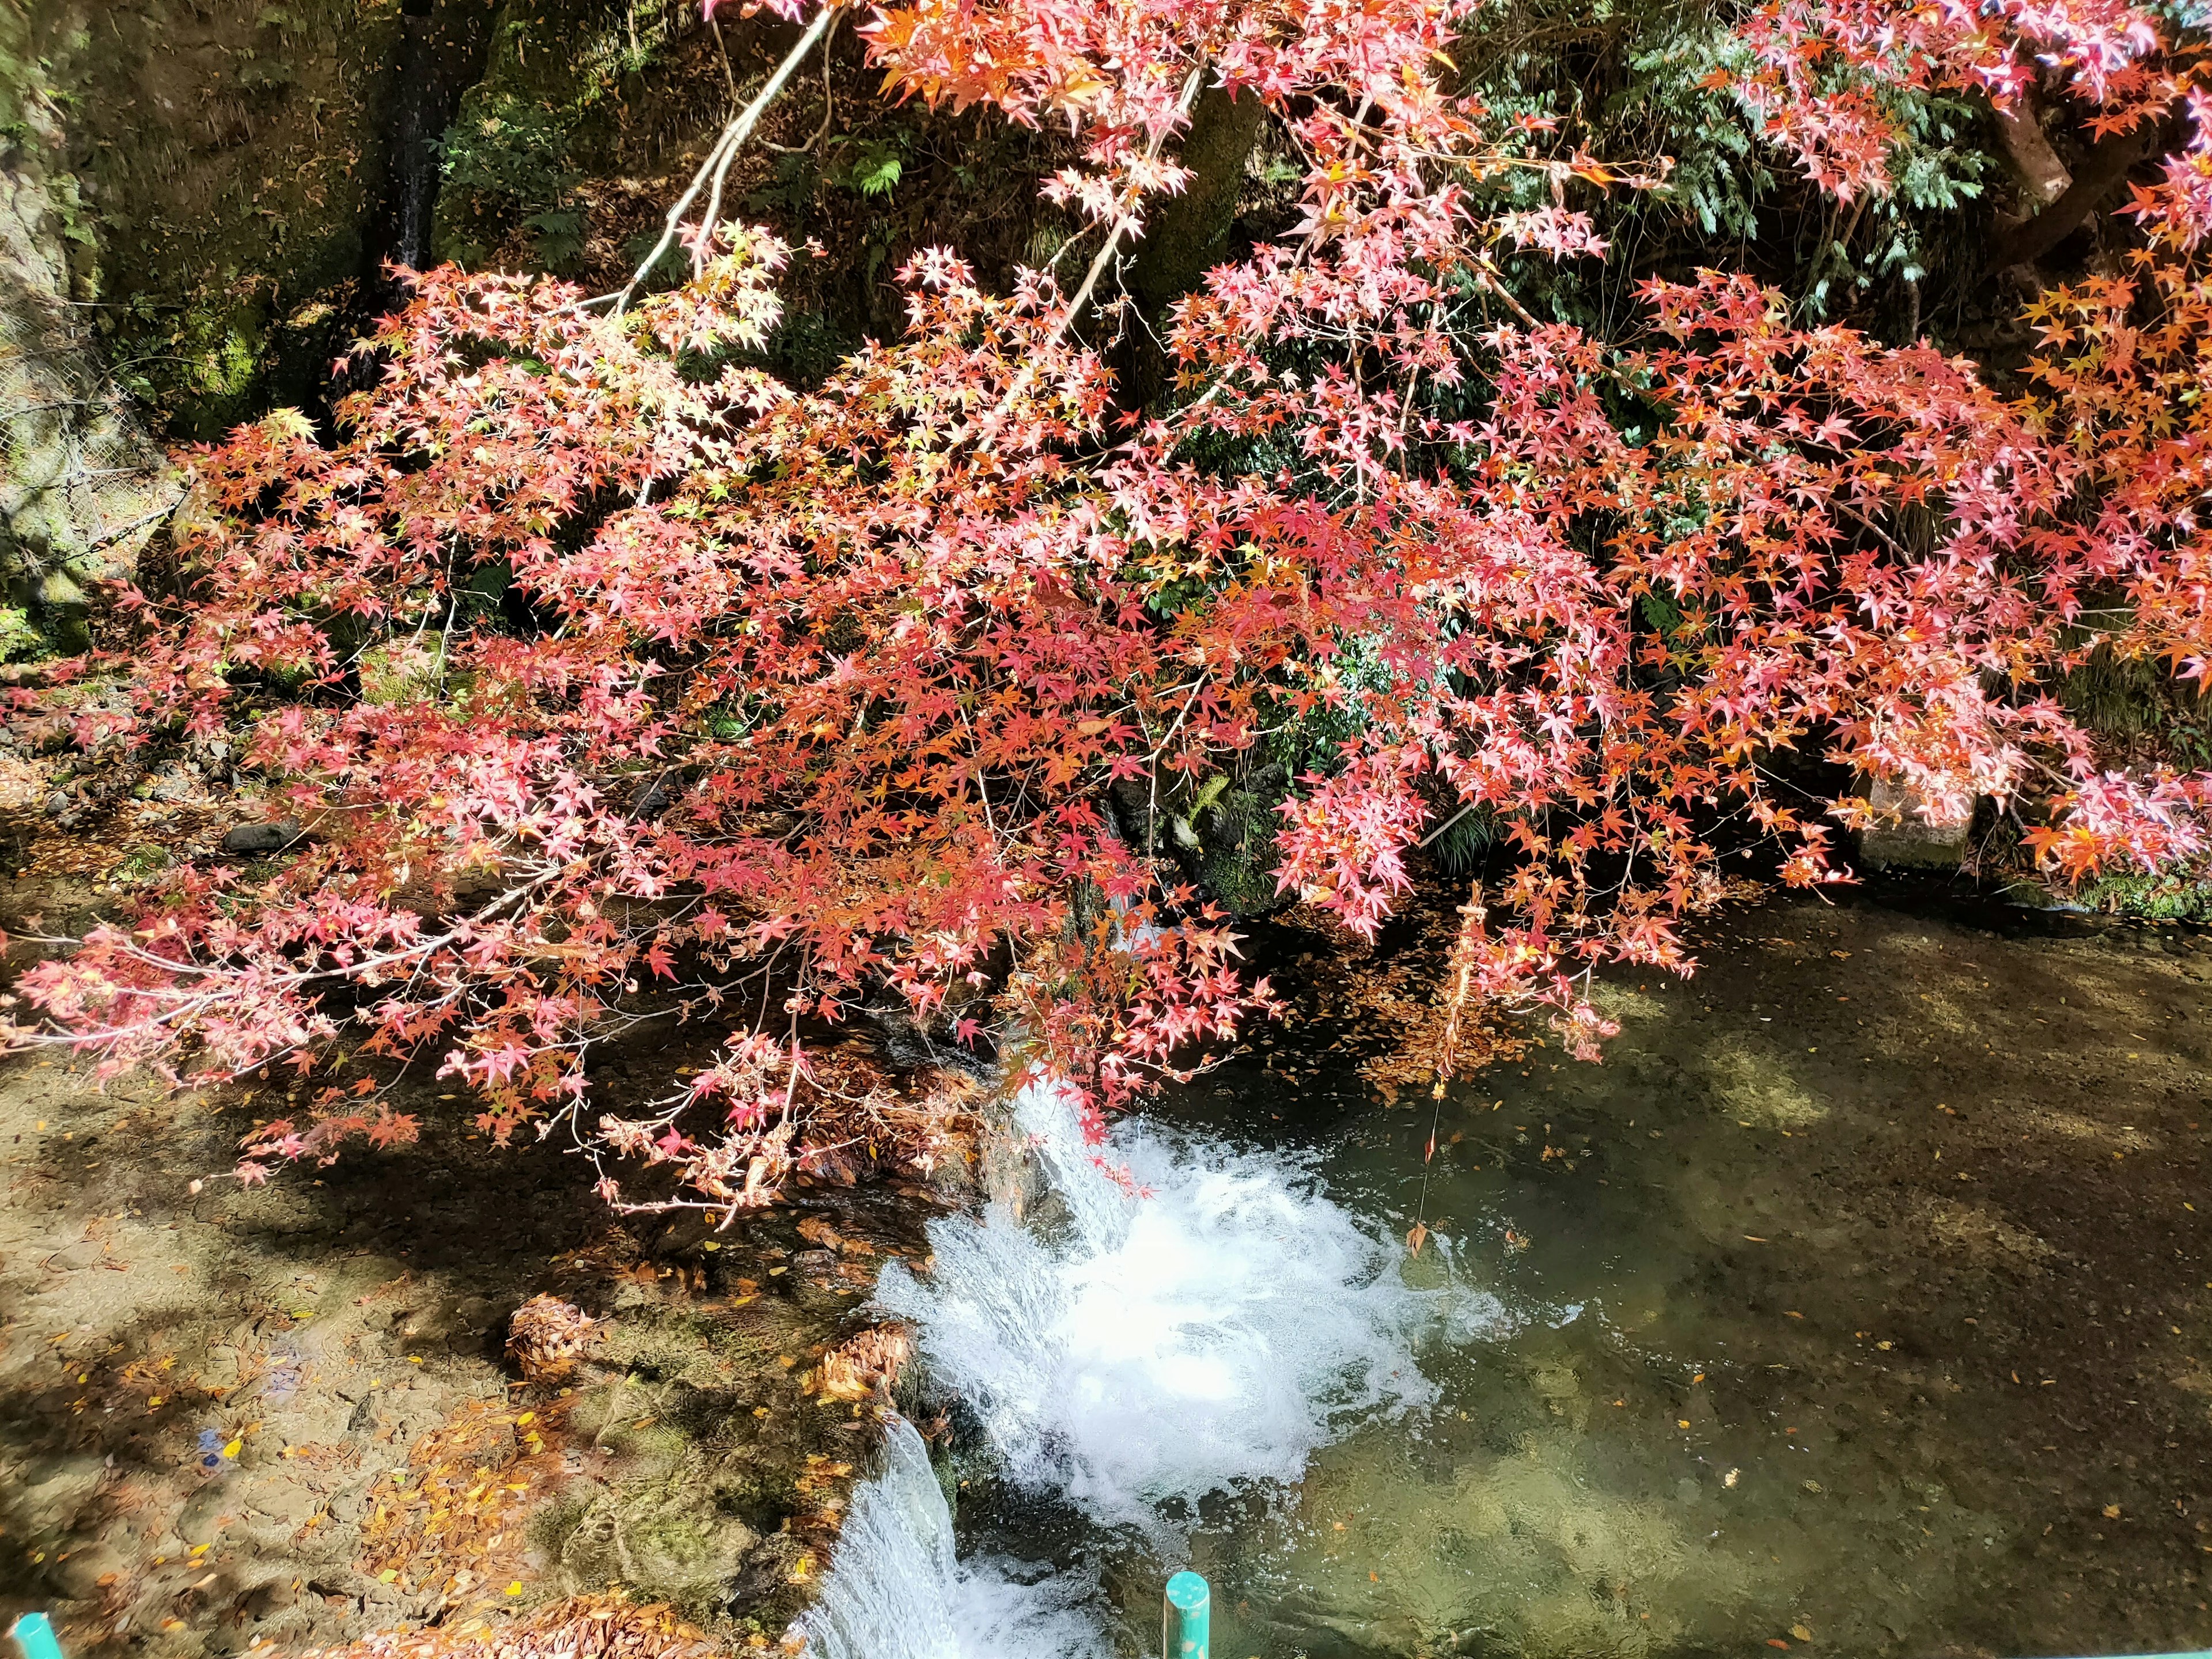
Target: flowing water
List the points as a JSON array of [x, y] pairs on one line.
[[1711, 1351]]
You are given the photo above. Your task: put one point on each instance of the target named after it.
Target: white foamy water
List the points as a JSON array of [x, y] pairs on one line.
[[895, 1590], [1208, 1331]]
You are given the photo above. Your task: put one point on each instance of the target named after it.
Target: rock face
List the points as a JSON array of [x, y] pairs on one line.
[[1913, 842], [81, 486], [232, 163]]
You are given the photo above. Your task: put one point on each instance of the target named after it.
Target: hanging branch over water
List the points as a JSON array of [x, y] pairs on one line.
[[825, 694]]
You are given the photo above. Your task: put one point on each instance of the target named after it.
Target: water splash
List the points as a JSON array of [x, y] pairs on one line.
[[896, 1591], [1206, 1334]]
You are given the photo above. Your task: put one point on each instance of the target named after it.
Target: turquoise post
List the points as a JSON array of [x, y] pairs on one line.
[[1186, 1618], [34, 1635]]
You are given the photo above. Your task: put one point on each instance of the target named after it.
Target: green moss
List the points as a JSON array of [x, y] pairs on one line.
[[2172, 896], [527, 134], [19, 640], [2129, 700]]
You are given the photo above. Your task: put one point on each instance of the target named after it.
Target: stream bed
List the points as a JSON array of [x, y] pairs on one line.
[[1857, 1302]]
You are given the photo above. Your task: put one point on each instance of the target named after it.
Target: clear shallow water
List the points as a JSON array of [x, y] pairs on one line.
[[1710, 1353]]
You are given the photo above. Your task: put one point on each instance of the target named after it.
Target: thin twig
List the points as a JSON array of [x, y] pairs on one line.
[[828, 110], [1121, 226], [716, 167]]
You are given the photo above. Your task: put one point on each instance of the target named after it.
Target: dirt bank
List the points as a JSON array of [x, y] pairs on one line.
[[231, 1418]]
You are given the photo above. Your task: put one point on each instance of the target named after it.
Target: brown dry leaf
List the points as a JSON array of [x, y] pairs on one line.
[[1418, 1237], [603, 1626], [471, 1483]]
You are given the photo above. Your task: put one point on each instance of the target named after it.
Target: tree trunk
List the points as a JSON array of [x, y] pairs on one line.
[[1185, 236]]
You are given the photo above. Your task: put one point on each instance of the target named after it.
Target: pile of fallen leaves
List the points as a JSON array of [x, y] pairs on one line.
[[865, 1366], [455, 1520], [547, 1336], [603, 1626], [875, 1119]]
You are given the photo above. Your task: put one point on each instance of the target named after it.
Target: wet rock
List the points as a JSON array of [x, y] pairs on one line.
[[262, 838], [328, 1543], [221, 1371], [195, 1522], [348, 1505], [670, 1542], [76, 1575], [53, 1491], [288, 1501], [765, 1570], [478, 1312]]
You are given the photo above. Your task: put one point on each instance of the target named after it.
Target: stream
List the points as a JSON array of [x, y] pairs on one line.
[[1856, 1302]]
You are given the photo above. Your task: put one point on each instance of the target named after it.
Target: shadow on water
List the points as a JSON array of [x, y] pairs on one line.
[[1854, 1300]]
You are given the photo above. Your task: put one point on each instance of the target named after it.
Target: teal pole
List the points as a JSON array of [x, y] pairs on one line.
[[1186, 1618], [34, 1635]]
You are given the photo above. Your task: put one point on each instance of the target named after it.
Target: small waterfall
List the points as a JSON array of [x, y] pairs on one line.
[[896, 1591], [1208, 1330], [440, 53], [415, 136], [1189, 1320]]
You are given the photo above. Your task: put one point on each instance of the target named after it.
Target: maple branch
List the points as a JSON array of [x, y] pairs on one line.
[[716, 167], [1122, 225], [828, 112], [1128, 218]]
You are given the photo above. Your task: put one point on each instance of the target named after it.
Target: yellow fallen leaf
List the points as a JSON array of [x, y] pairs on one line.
[[1681, 1422], [1800, 1632], [390, 1574], [515, 1589], [2111, 1512], [524, 1419], [232, 1449]]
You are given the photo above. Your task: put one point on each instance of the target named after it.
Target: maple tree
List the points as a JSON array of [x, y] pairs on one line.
[[802, 697]]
